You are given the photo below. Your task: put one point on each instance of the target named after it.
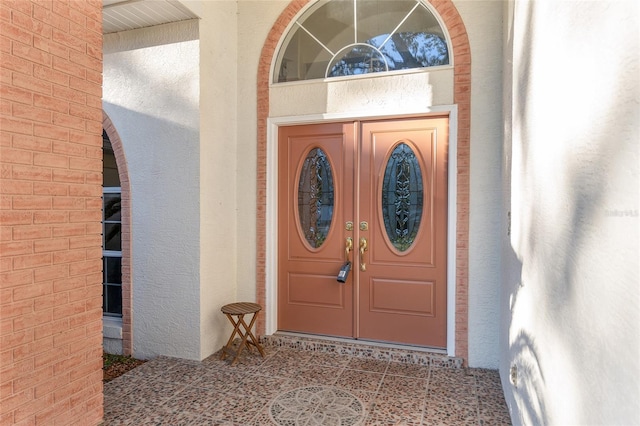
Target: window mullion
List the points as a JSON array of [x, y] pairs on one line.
[[355, 22], [399, 25], [314, 37]]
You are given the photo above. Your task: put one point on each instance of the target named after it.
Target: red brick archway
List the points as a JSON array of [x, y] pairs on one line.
[[125, 188], [462, 97]]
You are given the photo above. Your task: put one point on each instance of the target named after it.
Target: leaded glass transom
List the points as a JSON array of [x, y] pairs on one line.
[[402, 197], [315, 197], [353, 37]]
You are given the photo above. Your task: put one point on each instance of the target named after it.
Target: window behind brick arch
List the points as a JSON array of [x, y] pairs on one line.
[[111, 233], [117, 328], [339, 38]]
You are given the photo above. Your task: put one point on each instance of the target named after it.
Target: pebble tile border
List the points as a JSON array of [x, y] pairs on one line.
[[362, 351]]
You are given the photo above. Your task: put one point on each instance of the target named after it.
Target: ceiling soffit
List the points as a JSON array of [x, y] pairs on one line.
[[119, 15]]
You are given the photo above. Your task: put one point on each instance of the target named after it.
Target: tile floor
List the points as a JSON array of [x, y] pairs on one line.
[[295, 387]]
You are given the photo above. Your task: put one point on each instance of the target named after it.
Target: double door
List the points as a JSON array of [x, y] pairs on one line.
[[372, 193]]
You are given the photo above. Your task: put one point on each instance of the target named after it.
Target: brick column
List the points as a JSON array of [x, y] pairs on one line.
[[50, 212]]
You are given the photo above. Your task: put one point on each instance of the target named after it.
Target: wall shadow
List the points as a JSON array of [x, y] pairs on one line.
[[549, 264]]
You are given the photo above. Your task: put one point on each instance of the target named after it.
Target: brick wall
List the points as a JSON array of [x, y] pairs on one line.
[[50, 189]]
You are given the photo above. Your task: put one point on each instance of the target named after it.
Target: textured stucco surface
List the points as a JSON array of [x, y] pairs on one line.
[[151, 95], [570, 295], [255, 19], [483, 20], [223, 252], [380, 95]]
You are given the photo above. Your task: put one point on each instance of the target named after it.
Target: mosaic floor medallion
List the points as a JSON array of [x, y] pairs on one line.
[[317, 405]]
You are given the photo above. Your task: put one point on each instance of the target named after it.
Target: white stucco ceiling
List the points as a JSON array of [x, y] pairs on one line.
[[124, 15]]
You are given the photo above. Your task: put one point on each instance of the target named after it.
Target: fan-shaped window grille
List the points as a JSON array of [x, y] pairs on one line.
[[354, 37]]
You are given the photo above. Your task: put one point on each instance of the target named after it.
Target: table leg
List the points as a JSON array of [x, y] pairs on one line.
[[236, 330], [254, 341], [247, 337]]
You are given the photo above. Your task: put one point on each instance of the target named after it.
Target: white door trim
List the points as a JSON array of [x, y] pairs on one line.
[[271, 266]]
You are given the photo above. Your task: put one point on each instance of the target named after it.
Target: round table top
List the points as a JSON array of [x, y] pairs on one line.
[[241, 308]]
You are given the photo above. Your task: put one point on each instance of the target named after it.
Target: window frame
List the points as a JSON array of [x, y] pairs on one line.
[[305, 12], [110, 253]]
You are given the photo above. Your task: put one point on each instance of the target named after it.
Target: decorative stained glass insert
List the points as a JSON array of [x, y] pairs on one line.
[[315, 197], [402, 197], [354, 37]]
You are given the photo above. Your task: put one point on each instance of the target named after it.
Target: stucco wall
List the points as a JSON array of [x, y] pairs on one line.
[[570, 295], [225, 252], [151, 94], [255, 19], [483, 20], [374, 96]]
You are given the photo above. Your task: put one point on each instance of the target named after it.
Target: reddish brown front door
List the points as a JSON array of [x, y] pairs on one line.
[[381, 186]]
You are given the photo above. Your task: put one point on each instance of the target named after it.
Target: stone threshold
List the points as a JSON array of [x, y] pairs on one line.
[[422, 356]]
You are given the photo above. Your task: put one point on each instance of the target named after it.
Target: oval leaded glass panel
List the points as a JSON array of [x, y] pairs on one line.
[[402, 197], [315, 197]]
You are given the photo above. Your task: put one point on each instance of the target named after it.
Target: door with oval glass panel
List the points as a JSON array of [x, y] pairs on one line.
[[373, 193]]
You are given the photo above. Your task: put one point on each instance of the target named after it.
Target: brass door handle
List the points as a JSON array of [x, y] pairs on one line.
[[348, 246], [363, 247]]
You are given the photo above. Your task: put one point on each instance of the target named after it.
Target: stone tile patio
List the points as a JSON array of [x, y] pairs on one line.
[[306, 382]]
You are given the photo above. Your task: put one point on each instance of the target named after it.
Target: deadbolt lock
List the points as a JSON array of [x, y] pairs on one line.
[[364, 226], [348, 226]]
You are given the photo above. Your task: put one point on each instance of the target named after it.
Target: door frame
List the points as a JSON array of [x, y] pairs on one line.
[[271, 222]]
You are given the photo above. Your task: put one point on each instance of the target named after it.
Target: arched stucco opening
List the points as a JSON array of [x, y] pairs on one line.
[[462, 103], [123, 173]]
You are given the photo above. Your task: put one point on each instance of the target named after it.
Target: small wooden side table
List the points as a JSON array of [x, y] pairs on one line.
[[236, 312]]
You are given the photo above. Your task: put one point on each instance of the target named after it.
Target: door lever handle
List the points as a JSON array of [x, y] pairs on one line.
[[363, 247], [348, 247]]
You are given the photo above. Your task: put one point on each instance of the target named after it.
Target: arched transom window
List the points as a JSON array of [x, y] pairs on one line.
[[336, 38]]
